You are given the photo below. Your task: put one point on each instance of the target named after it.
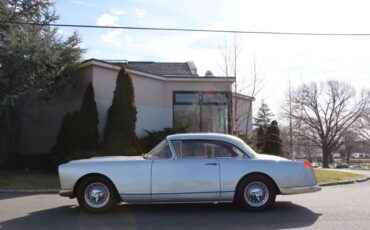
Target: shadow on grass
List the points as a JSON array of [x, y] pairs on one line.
[[168, 216]]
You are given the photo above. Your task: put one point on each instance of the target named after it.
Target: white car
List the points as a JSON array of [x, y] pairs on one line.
[[187, 168], [315, 165]]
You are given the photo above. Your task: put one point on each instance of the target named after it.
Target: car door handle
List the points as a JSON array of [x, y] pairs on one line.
[[211, 164]]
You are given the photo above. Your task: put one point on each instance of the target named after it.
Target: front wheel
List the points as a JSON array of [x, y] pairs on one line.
[[96, 194], [256, 193]]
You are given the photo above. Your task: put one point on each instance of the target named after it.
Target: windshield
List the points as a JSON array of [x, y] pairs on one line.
[[162, 150], [249, 150]]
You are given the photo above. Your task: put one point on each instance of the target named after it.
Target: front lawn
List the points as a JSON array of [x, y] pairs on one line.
[[327, 176], [17, 179]]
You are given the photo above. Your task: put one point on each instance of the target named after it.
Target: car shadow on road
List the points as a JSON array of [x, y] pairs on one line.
[[168, 216], [5, 196]]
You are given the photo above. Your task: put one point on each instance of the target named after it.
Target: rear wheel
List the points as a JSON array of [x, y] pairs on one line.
[[96, 194], [256, 193]]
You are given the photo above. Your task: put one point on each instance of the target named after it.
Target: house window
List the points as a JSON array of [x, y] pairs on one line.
[[201, 111]]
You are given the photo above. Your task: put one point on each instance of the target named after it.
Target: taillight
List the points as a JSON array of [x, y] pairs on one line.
[[307, 164]]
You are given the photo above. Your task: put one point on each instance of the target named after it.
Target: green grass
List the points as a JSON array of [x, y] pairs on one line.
[[17, 179], [327, 176]]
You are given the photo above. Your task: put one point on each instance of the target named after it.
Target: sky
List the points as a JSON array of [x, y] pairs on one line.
[[278, 58]]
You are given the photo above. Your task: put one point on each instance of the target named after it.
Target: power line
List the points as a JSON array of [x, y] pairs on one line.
[[186, 29]]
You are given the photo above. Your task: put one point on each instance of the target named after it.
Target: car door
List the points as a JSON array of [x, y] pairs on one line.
[[233, 165], [192, 175]]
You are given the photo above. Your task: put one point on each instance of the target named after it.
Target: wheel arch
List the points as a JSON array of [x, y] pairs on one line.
[[257, 174], [78, 182]]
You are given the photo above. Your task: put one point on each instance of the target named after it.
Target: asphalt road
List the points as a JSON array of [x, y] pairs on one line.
[[335, 207]]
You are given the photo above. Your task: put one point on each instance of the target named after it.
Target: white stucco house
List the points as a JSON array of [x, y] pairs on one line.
[[167, 94]]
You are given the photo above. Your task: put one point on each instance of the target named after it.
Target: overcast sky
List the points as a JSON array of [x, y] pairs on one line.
[[278, 57]]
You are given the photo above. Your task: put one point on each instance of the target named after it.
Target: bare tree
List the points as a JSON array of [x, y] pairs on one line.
[[236, 49], [365, 127], [327, 112], [255, 85], [226, 68], [226, 58], [366, 134], [295, 143], [230, 54]]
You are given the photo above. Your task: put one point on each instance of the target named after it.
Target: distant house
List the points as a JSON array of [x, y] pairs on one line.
[[167, 94]]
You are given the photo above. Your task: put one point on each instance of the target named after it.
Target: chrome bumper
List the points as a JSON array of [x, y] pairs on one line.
[[297, 190], [66, 193]]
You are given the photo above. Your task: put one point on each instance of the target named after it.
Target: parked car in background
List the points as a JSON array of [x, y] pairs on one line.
[[315, 165], [336, 155], [340, 166], [357, 167], [187, 168]]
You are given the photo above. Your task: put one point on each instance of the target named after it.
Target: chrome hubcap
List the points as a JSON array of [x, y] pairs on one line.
[[96, 195], [256, 194]]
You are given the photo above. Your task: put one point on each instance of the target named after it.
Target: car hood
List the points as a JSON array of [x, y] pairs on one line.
[[108, 158], [270, 157]]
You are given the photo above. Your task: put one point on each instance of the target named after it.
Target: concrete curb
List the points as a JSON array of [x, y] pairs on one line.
[[363, 179], [29, 191], [346, 182]]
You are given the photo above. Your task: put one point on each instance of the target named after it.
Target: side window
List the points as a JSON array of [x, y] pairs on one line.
[[191, 149], [223, 149], [205, 149]]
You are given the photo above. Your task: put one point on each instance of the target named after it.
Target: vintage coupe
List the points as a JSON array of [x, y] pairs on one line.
[[187, 168]]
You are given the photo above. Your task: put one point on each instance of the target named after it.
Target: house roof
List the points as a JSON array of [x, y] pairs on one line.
[[174, 71], [163, 68], [242, 96]]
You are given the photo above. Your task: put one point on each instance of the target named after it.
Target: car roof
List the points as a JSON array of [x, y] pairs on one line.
[[200, 136], [206, 136]]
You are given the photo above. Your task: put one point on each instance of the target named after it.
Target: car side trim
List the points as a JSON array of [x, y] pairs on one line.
[[172, 197], [297, 190], [164, 193]]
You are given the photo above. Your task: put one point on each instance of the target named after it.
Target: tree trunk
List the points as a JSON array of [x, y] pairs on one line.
[[325, 158], [348, 158]]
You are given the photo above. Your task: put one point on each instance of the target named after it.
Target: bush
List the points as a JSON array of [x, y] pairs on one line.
[[78, 132], [120, 137], [58, 159], [154, 137], [261, 138], [34, 161], [88, 123], [68, 137], [273, 142]]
